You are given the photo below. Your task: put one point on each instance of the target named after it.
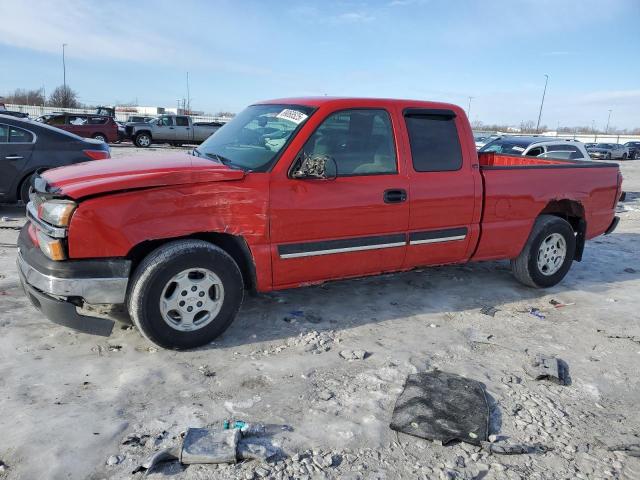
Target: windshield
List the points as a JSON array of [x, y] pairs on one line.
[[604, 145], [507, 146], [632, 144], [253, 139]]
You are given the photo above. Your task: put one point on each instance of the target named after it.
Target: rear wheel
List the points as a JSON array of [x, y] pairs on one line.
[[624, 156], [185, 293], [637, 156], [547, 256], [100, 137], [608, 157], [142, 140]]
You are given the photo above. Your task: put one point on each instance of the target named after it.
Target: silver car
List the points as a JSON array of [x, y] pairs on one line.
[[543, 147], [609, 151]]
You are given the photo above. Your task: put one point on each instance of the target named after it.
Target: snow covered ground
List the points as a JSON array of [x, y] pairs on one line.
[[69, 401]]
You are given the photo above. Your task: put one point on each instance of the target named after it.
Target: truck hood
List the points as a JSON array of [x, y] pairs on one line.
[[135, 172]]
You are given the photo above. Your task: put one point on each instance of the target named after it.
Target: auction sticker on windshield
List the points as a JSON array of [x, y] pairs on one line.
[[292, 115]]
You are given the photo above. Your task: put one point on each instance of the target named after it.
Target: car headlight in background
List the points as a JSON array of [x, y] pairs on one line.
[[57, 212]]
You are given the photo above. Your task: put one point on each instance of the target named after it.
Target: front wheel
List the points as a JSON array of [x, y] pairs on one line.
[[624, 156], [608, 157], [142, 140], [547, 256], [185, 293]]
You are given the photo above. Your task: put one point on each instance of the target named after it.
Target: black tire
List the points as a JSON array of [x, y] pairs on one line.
[[525, 267], [636, 156], [624, 156], [99, 136], [142, 140], [608, 157], [159, 268], [23, 191]]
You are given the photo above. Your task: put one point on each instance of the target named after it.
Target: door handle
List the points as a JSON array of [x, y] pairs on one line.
[[188, 128], [170, 128], [13, 157], [396, 195]]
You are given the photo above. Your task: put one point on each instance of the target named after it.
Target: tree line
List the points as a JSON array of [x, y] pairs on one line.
[[62, 96]]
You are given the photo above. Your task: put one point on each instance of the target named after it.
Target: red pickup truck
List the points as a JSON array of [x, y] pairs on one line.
[[296, 192]]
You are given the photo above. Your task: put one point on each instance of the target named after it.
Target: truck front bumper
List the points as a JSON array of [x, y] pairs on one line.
[[57, 288]]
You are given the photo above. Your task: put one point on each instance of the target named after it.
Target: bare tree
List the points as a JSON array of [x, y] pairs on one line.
[[22, 96], [63, 96], [225, 114]]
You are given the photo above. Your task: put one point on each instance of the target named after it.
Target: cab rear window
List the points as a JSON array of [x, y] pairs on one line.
[[435, 146]]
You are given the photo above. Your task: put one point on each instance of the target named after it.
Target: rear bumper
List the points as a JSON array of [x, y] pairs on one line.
[[57, 288], [613, 226]]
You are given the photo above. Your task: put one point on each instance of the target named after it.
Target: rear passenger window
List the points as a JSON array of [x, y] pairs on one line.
[[17, 135], [57, 120], [570, 152], [4, 133], [360, 141], [98, 120], [435, 146], [182, 121], [77, 120]]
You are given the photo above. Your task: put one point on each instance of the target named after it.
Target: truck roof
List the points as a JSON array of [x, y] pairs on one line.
[[352, 101]]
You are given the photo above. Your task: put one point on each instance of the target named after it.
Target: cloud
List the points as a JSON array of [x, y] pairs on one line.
[[111, 31], [353, 17]]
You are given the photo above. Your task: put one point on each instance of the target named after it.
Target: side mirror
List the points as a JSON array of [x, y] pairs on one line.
[[322, 167]]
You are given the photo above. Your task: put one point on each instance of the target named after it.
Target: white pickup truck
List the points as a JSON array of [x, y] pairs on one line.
[[172, 129]]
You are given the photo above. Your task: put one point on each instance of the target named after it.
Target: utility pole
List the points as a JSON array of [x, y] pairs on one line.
[[546, 79], [469, 109], [64, 69], [188, 96], [606, 130]]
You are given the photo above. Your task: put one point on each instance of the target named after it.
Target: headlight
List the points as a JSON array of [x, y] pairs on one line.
[[57, 212]]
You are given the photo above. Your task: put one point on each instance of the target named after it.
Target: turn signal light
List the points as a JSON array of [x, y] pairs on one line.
[[51, 247], [97, 154]]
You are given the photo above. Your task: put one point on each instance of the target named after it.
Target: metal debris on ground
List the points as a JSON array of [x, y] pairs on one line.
[[545, 367], [490, 311], [442, 406]]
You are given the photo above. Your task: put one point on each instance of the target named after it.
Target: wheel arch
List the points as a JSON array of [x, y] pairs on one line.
[[236, 246], [573, 212]]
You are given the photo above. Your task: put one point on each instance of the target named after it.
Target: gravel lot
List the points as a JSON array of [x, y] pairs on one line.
[[69, 400]]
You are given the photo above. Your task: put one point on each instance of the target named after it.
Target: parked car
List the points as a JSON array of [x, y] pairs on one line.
[[634, 149], [589, 145], [4, 111], [543, 147], [172, 129], [608, 151], [27, 146], [481, 139], [99, 127], [293, 193]]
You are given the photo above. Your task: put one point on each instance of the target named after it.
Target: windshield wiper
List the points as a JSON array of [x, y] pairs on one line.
[[223, 160], [196, 153]]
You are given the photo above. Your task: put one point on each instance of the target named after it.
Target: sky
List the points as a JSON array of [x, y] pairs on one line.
[[243, 51]]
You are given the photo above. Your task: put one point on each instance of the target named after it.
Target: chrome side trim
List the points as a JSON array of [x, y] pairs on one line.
[[92, 290], [55, 232], [438, 240], [342, 250]]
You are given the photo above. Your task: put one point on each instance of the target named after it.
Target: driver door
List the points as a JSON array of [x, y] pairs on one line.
[[351, 225], [164, 130]]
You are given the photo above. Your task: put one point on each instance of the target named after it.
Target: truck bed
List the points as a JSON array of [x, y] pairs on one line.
[[495, 161], [518, 189]]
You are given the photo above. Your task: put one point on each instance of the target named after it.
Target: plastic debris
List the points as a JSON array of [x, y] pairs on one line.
[[537, 313], [558, 304], [545, 367], [201, 445], [513, 448], [442, 406], [490, 311]]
